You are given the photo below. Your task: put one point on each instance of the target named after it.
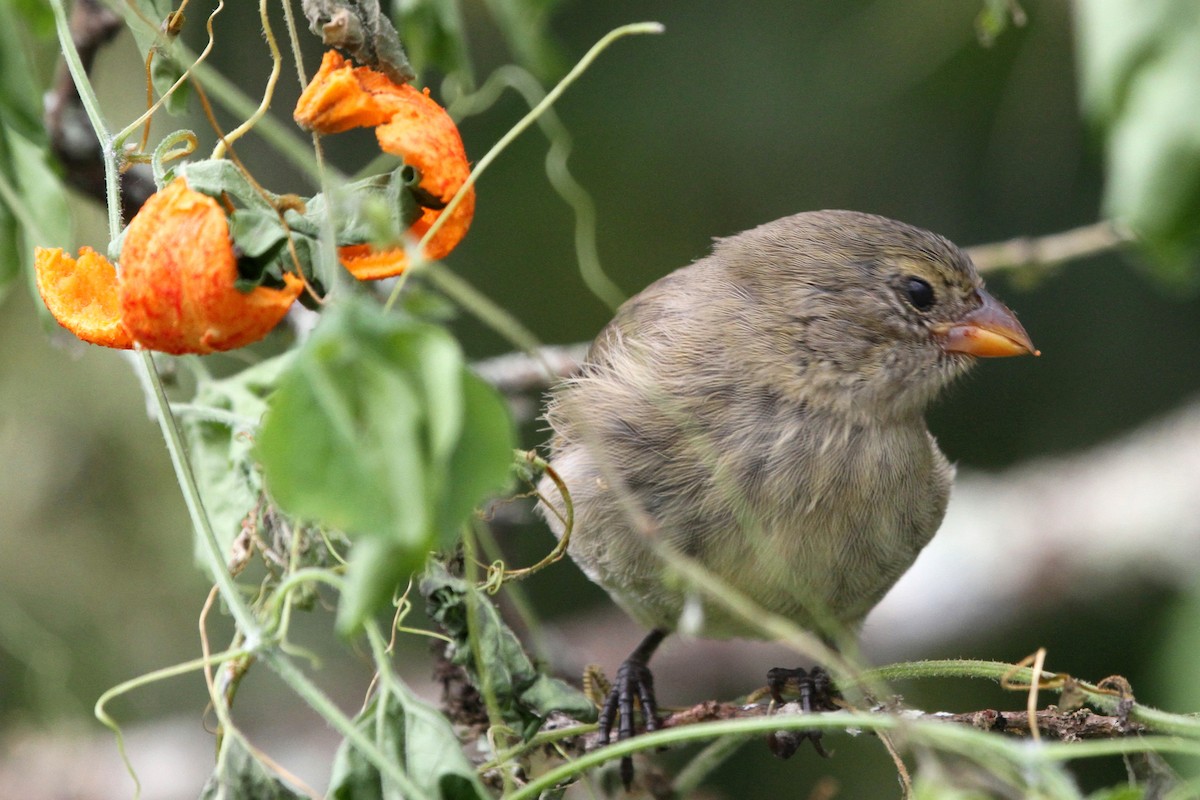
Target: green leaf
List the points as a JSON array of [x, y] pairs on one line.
[[416, 738], [258, 234], [482, 460], [39, 16], [341, 443], [1139, 69], [526, 695], [12, 256], [376, 209], [218, 426], [1119, 793], [20, 98], [240, 775], [260, 239], [379, 431], [41, 216], [377, 566], [216, 177]]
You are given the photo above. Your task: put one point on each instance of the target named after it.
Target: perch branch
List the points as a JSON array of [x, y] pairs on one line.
[[1052, 722], [1045, 251]]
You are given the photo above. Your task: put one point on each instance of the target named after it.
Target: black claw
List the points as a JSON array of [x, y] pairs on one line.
[[816, 694], [633, 681]]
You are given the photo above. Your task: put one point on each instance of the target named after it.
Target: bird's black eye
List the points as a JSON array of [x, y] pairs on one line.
[[919, 293]]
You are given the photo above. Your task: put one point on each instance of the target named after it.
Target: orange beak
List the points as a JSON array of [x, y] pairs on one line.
[[990, 331]]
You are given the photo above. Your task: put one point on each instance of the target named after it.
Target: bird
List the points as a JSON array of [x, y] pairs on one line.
[[761, 412]]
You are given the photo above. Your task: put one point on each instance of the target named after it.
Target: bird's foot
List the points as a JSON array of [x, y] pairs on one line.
[[634, 684], [816, 693]]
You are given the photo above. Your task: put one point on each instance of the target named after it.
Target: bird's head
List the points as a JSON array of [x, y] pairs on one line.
[[868, 313]]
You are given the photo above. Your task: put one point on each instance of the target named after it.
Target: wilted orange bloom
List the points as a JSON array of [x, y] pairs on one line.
[[408, 123], [341, 97], [178, 272], [176, 292], [82, 295]]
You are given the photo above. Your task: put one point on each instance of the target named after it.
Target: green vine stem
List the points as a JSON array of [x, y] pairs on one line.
[[1031, 765], [557, 171], [91, 105], [1106, 700], [100, 712]]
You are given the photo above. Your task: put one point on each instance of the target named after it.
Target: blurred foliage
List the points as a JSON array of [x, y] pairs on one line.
[[33, 203], [995, 18], [435, 35], [1139, 69]]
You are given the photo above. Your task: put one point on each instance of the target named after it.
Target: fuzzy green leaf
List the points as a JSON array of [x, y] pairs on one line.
[[416, 738], [218, 426], [240, 775], [526, 695], [341, 443], [379, 431], [481, 463]]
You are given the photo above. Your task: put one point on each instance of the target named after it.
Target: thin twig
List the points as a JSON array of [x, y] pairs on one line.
[[1045, 251]]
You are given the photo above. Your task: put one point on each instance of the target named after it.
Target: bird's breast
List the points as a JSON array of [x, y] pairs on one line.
[[823, 518]]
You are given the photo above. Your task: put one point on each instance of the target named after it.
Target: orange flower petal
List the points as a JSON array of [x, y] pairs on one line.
[[368, 264], [423, 134], [177, 282], [453, 229], [341, 97], [82, 295]]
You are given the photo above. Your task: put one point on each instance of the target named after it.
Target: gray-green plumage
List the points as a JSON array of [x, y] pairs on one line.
[[761, 411]]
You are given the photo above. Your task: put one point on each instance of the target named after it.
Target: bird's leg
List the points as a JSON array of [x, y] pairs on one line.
[[633, 681], [816, 694]]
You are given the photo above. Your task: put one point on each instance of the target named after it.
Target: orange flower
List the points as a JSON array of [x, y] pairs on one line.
[[82, 295], [178, 274], [176, 291], [407, 123]]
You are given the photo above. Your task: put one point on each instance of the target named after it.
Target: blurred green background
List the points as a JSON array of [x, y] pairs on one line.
[[742, 112]]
